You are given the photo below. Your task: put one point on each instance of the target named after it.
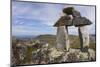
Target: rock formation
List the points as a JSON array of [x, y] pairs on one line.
[[78, 21]]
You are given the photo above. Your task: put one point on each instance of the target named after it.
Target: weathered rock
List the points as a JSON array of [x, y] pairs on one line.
[[83, 56], [84, 38], [64, 20], [72, 57], [54, 53], [74, 50], [22, 51], [76, 55], [76, 13], [62, 38], [81, 21], [92, 54], [68, 10]]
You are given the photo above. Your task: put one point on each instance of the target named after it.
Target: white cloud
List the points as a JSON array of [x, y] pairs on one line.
[[49, 13]]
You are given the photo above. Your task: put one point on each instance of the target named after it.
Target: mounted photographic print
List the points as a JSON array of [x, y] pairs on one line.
[[52, 33]]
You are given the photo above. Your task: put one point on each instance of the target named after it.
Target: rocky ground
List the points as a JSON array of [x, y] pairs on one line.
[[45, 55], [41, 50]]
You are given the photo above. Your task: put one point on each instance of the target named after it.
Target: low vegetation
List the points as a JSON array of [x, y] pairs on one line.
[[34, 47]]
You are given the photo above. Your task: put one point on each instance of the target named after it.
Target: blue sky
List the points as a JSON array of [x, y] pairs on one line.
[[38, 18]]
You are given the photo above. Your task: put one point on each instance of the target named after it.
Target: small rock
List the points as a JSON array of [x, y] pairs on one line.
[[92, 54], [83, 56], [54, 53]]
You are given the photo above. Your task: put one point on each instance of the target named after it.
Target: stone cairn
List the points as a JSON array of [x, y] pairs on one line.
[[43, 54], [72, 17]]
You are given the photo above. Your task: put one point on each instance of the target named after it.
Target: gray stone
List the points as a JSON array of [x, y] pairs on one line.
[[84, 38], [62, 38], [64, 20], [92, 54], [81, 21], [68, 10]]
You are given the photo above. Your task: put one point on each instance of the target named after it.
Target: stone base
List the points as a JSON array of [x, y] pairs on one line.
[[74, 55]]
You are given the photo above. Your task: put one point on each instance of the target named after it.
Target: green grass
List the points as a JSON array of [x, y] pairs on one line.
[[28, 57], [74, 41]]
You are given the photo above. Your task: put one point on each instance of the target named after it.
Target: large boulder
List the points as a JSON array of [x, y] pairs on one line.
[[68, 10], [81, 21]]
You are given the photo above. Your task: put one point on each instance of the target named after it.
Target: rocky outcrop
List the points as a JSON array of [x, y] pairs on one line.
[[43, 54], [73, 55]]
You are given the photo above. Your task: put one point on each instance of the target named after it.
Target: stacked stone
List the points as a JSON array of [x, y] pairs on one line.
[[72, 17]]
